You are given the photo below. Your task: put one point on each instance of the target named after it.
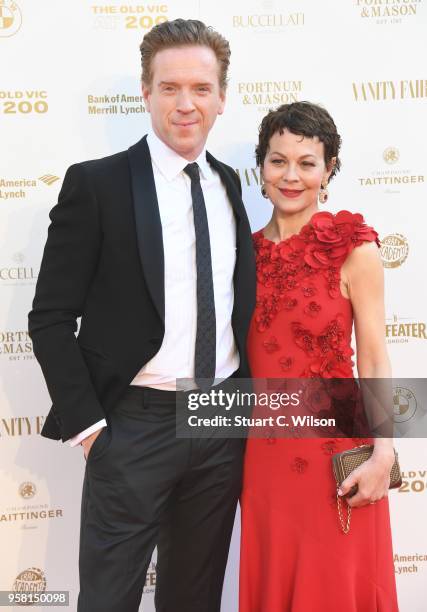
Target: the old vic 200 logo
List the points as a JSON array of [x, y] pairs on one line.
[[24, 102]]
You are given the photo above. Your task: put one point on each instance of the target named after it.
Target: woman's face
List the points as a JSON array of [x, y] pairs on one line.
[[293, 171]]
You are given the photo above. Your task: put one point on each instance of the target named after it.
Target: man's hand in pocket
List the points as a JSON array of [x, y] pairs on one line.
[[87, 442]]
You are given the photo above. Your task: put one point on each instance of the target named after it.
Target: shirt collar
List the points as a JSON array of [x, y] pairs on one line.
[[169, 163]]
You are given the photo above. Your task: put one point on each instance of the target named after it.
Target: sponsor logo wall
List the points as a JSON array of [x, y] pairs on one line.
[[62, 102]]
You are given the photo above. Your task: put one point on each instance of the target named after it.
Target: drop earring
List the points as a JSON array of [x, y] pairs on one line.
[[263, 192], [323, 195]]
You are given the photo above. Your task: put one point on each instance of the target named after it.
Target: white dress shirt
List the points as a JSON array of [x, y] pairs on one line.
[[175, 359]]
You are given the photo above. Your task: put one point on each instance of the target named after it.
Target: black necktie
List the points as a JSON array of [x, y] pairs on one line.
[[205, 350]]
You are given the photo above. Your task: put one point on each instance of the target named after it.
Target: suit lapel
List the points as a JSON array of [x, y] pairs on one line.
[[245, 270], [148, 223], [243, 238], [230, 185]]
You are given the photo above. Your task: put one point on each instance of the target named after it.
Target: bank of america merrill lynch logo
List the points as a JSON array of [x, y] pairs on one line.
[[49, 179], [10, 18]]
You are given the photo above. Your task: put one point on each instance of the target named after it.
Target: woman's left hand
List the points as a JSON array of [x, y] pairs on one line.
[[372, 479]]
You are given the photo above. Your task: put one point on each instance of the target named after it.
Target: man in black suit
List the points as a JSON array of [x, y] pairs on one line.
[[152, 248]]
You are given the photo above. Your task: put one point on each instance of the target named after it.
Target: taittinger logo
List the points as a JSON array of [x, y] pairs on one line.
[[28, 515], [391, 155], [27, 490], [392, 175]]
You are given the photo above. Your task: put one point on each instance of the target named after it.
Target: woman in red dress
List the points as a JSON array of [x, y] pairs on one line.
[[317, 273]]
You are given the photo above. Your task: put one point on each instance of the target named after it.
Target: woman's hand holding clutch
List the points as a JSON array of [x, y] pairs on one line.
[[372, 479]]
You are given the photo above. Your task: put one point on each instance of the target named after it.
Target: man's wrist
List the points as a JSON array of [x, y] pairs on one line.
[[78, 439]]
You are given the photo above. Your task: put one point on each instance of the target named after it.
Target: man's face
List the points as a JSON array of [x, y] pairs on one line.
[[184, 97]]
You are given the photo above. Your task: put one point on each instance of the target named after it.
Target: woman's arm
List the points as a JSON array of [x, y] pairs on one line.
[[362, 278]]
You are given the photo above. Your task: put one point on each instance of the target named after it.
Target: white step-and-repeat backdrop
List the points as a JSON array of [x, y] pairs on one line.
[[69, 91]]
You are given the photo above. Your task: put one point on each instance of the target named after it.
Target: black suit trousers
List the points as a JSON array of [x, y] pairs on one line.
[[144, 487]]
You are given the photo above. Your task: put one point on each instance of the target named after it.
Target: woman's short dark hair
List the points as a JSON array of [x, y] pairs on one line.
[[303, 119]]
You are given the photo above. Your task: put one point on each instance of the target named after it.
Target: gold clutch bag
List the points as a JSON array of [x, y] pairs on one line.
[[344, 463]]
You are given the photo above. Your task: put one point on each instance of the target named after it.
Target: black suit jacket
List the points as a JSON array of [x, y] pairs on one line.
[[103, 261]]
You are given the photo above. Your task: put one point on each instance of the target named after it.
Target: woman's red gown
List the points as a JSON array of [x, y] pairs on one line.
[[294, 555]]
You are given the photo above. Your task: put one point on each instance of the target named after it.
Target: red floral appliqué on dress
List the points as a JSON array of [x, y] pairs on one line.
[[302, 275]]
